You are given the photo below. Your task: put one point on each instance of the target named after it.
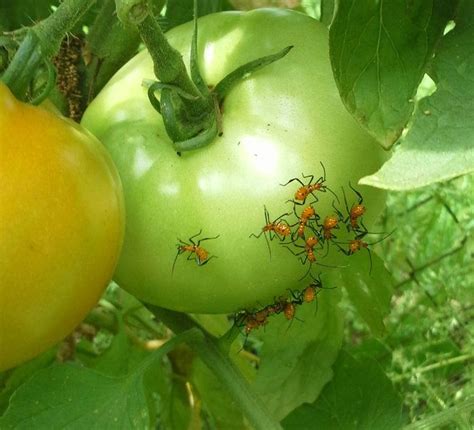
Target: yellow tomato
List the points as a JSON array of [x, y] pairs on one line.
[[61, 227]]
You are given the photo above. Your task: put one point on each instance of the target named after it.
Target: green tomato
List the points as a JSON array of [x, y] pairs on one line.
[[283, 120]]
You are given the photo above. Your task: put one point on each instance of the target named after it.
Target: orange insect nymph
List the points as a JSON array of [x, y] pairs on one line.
[[356, 212], [311, 242], [303, 192], [309, 294], [282, 229], [278, 227], [310, 255], [289, 311], [356, 245], [329, 224], [250, 324], [200, 254], [308, 212]]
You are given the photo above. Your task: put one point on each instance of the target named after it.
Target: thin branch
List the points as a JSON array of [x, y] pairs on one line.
[[434, 366], [432, 262]]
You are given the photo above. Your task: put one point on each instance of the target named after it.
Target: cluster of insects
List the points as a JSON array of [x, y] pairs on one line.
[[251, 320], [308, 235]]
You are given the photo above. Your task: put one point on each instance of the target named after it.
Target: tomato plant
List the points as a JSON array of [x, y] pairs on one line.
[[61, 227], [280, 122], [304, 112]]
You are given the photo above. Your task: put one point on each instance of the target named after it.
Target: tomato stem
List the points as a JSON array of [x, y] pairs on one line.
[[111, 45], [185, 103], [207, 346], [42, 41], [169, 67], [191, 112]]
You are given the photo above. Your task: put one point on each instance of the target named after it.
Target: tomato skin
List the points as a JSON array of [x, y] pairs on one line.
[[281, 121], [61, 227]]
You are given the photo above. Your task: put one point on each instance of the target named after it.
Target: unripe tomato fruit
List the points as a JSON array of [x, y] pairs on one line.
[[61, 227], [280, 122]]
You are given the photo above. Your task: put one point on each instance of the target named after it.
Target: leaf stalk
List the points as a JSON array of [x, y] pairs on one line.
[[207, 346]]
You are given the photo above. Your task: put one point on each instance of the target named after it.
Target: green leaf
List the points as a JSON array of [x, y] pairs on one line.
[[67, 396], [440, 144], [297, 356], [15, 14], [379, 51], [110, 43], [373, 349], [19, 375], [360, 396], [73, 397], [327, 11], [370, 291], [119, 359]]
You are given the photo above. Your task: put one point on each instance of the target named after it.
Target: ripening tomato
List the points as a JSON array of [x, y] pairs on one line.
[[61, 227], [278, 123]]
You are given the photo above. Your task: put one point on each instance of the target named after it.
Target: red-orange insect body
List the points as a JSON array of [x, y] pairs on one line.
[[311, 257], [301, 227], [261, 316], [280, 228], [356, 245], [201, 254], [250, 324], [329, 224], [309, 294], [310, 243], [305, 217], [308, 212], [289, 311], [255, 320], [277, 307], [355, 213], [303, 192]]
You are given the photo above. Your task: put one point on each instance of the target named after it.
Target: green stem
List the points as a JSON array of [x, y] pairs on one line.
[[103, 318], [434, 366], [432, 262], [168, 64], [111, 45], [41, 43], [215, 358], [187, 336], [448, 416]]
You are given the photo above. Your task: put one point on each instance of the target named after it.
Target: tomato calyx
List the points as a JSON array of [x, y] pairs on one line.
[[189, 134], [190, 109]]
